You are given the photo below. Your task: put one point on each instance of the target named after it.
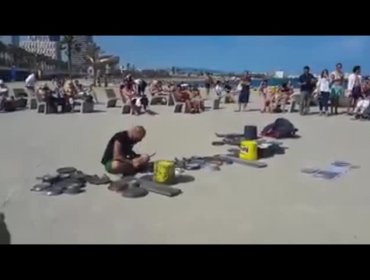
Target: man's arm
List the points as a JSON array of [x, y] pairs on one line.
[[117, 151]]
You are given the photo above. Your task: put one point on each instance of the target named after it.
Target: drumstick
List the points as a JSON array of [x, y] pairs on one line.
[[152, 155]]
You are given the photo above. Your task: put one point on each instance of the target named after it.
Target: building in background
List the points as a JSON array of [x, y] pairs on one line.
[[279, 74], [45, 45], [14, 40], [78, 57]]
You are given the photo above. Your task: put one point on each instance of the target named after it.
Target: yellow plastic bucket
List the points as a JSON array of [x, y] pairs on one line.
[[164, 172], [248, 150]]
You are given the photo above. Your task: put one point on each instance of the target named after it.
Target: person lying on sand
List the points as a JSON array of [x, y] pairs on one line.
[[119, 158]]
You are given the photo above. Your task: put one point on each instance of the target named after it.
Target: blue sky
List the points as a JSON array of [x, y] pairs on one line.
[[239, 53]]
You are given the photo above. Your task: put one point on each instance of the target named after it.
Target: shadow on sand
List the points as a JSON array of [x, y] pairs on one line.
[[4, 232]]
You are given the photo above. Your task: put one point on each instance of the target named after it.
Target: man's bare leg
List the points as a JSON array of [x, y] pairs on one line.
[[129, 167]]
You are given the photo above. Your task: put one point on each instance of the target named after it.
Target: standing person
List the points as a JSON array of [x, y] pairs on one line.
[[337, 87], [323, 87], [208, 83], [307, 82], [31, 83], [266, 100], [141, 86], [13, 74], [354, 88], [244, 92], [219, 89], [229, 98]]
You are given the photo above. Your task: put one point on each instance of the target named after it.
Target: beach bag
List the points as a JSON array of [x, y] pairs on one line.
[[281, 128]]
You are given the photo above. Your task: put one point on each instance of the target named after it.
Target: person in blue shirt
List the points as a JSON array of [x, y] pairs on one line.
[[13, 74]]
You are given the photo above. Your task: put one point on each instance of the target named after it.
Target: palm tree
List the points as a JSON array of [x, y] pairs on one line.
[[98, 61], [69, 45], [93, 58]]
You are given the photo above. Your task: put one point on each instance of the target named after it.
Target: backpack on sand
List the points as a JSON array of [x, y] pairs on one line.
[[281, 128]]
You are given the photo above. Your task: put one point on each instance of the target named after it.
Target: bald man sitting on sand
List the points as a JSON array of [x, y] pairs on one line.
[[119, 158]]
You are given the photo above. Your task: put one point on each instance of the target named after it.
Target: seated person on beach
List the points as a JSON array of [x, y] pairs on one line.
[[130, 95], [156, 88], [7, 104], [192, 105], [197, 99], [281, 98], [70, 92], [119, 158], [361, 109], [59, 98]]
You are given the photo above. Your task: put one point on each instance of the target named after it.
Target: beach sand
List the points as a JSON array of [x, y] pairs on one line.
[[239, 204]]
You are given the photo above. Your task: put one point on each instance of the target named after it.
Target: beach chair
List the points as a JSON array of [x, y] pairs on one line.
[[85, 106], [173, 102], [42, 106], [111, 98], [21, 97], [126, 106], [158, 100], [126, 109]]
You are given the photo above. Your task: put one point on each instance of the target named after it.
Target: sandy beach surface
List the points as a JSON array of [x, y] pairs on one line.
[[238, 204]]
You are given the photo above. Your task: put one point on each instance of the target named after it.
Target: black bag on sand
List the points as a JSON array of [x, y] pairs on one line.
[[281, 128], [9, 106]]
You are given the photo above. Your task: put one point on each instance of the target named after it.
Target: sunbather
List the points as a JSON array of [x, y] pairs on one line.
[[156, 88], [281, 98], [119, 158], [192, 105]]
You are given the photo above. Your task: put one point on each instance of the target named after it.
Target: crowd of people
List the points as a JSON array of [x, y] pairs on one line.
[[326, 90], [134, 92], [63, 93]]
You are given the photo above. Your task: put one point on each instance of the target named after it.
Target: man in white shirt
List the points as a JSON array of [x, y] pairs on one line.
[[219, 89], [354, 88], [31, 83]]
